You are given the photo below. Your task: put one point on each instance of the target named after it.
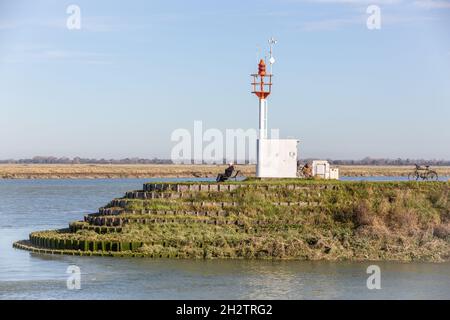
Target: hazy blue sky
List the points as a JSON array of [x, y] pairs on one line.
[[137, 70]]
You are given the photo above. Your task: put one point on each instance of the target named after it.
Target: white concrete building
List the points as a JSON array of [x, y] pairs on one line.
[[322, 169]]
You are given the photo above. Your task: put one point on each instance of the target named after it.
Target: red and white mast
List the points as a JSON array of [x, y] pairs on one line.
[[262, 85], [276, 158]]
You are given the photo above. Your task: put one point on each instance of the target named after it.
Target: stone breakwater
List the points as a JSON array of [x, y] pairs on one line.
[[274, 219]]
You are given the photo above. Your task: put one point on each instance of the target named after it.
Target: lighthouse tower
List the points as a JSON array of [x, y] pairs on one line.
[[276, 158], [262, 86]]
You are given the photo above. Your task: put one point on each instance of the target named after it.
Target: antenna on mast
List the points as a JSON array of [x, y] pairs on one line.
[[272, 41]]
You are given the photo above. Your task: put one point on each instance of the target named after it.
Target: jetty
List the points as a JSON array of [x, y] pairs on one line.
[[263, 219]]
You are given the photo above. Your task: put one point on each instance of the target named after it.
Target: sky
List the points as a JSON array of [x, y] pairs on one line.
[[138, 70]]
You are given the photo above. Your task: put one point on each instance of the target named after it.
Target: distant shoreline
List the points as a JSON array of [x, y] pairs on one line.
[[120, 171]]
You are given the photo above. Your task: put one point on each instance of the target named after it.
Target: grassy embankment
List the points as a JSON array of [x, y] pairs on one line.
[[280, 219]]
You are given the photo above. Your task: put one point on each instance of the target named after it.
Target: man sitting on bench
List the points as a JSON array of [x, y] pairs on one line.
[[221, 177]]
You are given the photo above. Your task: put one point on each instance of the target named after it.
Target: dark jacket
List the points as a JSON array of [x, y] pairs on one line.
[[229, 171]]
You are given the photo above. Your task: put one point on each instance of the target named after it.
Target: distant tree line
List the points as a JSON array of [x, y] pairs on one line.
[[78, 160], [389, 162]]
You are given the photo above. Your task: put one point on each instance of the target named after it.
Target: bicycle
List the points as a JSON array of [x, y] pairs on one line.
[[304, 172], [426, 174]]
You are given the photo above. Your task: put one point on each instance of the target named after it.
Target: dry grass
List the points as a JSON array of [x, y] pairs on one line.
[[96, 171], [364, 171]]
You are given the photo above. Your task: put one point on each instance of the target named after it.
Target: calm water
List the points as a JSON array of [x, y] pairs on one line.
[[27, 205]]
